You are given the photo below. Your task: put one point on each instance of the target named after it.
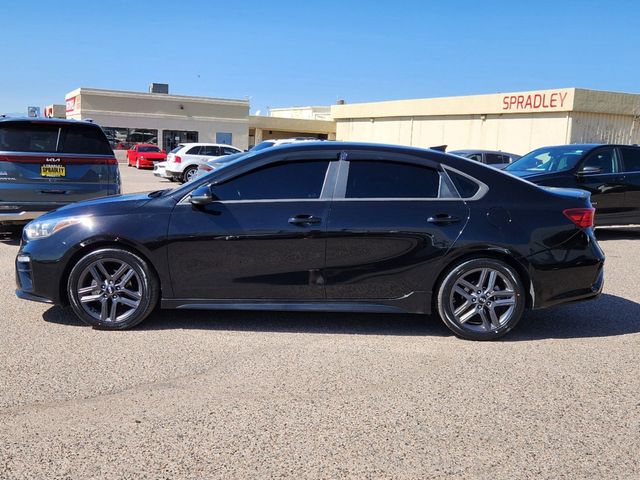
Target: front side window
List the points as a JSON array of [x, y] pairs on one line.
[[381, 179], [229, 151], [289, 180], [210, 150], [631, 159], [603, 159]]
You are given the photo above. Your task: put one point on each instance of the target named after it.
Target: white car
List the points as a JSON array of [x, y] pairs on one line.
[[184, 160], [160, 170], [282, 141]]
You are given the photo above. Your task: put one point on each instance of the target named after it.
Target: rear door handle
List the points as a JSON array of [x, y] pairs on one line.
[[443, 219], [304, 220]]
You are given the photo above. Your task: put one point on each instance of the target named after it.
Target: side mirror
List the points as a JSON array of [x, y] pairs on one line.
[[201, 196], [589, 171]]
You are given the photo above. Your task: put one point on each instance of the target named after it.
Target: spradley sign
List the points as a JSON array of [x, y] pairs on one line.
[[534, 101]]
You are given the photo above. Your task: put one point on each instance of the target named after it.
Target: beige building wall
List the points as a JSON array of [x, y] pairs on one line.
[[207, 116], [515, 122]]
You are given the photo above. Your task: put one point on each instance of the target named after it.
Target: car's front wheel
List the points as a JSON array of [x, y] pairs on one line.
[[112, 288], [481, 299]]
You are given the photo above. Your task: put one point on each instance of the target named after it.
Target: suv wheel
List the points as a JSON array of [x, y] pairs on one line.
[[112, 289], [481, 299], [189, 173]]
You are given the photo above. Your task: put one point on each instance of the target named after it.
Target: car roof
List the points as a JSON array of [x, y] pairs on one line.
[[41, 120], [498, 152], [193, 144]]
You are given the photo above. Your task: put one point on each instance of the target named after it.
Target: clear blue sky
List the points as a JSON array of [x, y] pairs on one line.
[[284, 53]]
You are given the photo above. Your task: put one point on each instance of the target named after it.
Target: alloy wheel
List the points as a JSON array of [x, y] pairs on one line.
[[109, 290], [483, 300]]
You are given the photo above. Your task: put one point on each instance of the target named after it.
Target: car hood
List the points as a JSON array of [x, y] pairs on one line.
[[534, 177], [113, 205]]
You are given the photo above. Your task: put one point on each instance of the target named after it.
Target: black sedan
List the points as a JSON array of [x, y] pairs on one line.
[[611, 173], [322, 226]]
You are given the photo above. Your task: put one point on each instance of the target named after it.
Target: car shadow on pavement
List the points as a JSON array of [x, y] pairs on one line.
[[607, 316], [624, 233]]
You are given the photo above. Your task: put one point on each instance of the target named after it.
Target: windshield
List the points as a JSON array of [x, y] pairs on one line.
[[262, 146], [548, 159], [148, 149]]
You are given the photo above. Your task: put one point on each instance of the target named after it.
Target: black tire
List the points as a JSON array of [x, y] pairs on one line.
[[486, 315], [137, 280], [188, 171]]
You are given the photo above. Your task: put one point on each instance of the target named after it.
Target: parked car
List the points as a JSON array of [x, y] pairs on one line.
[[493, 158], [48, 163], [611, 173], [214, 163], [183, 161], [145, 155], [282, 141], [325, 226], [160, 170]]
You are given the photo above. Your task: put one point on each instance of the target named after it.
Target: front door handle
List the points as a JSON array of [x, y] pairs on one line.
[[443, 219], [304, 220]]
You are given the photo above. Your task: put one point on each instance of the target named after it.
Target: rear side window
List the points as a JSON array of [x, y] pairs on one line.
[[194, 151], [494, 159], [290, 180], [631, 158], [371, 179], [466, 187], [28, 137], [210, 150], [82, 139]]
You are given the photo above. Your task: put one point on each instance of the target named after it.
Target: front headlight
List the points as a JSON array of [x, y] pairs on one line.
[[44, 228]]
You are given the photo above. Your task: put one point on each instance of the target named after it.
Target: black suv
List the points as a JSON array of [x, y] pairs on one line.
[[611, 173], [48, 163]]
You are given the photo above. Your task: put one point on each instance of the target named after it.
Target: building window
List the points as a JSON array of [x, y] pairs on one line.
[[224, 138], [171, 138], [124, 138]]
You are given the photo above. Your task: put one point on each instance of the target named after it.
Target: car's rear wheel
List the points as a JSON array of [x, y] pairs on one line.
[[112, 288], [481, 299], [189, 174]]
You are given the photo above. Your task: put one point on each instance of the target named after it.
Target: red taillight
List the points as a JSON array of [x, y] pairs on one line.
[[582, 217], [177, 159]]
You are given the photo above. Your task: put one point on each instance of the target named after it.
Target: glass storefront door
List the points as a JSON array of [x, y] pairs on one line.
[[171, 138]]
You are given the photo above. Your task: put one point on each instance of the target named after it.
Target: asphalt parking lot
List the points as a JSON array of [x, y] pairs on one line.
[[301, 395]]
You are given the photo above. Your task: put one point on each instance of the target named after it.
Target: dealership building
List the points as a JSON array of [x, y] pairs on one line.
[[166, 120], [512, 122]]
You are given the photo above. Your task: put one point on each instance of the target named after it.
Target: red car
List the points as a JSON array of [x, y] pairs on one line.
[[145, 155]]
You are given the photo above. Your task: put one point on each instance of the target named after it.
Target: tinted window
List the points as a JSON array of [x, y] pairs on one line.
[[494, 159], [604, 159], [475, 156], [28, 137], [229, 151], [194, 151], [631, 158], [284, 180], [84, 139], [210, 150], [466, 187], [177, 149], [391, 180]]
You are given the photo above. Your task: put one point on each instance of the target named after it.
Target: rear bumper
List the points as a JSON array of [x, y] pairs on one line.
[[572, 273], [174, 175]]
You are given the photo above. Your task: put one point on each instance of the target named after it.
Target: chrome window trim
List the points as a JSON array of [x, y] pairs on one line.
[[482, 191]]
